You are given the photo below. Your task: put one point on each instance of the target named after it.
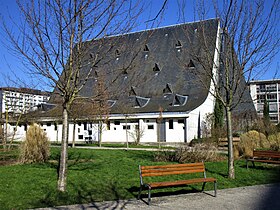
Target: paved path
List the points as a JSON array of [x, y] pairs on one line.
[[259, 197]]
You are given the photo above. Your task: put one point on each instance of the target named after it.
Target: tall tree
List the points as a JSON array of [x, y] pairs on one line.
[[248, 40], [51, 41]]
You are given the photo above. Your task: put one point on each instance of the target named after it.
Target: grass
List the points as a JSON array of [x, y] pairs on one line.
[[98, 175]]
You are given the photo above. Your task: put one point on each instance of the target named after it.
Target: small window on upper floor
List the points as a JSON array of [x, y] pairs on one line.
[[124, 72], [167, 89], [178, 45], [156, 68], [146, 49], [132, 91], [117, 53], [191, 64]]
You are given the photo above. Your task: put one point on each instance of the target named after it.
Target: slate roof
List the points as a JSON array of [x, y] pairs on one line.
[[151, 70]]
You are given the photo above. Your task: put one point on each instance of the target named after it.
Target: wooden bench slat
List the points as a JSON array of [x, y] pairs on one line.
[[171, 169], [172, 166], [163, 173]]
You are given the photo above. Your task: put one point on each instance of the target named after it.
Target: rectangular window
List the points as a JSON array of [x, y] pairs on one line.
[[182, 121], [80, 136], [55, 127], [126, 127], [150, 127], [117, 122], [171, 126], [85, 126]]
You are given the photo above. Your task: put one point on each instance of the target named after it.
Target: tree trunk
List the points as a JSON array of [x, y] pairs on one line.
[[62, 174], [231, 173], [100, 133], [74, 134]]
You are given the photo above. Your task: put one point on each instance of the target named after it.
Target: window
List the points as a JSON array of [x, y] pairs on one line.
[[126, 127], [49, 124], [191, 64], [55, 127], [156, 68], [146, 49], [171, 126], [182, 121], [80, 136], [167, 89], [132, 91], [178, 44], [117, 122], [85, 126], [117, 53], [150, 127]]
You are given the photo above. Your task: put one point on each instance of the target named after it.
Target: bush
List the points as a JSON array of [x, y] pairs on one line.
[[35, 148], [250, 141], [274, 141], [198, 153]]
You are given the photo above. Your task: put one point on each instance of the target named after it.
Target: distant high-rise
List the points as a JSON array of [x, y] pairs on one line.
[[21, 100], [268, 90]]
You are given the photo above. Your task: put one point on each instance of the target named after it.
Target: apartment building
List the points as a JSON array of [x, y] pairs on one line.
[[21, 100], [269, 90]]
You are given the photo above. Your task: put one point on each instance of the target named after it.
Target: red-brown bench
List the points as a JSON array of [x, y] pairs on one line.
[[174, 169], [264, 157]]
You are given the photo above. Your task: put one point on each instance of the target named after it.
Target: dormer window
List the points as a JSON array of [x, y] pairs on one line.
[[124, 72], [146, 49], [178, 45], [132, 91], [167, 89], [156, 68], [179, 100], [111, 103], [117, 53], [191, 64], [141, 102]]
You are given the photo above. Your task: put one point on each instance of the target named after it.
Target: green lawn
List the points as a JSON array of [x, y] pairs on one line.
[[98, 175]]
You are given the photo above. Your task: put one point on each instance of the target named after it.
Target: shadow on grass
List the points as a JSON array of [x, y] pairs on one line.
[[83, 198]]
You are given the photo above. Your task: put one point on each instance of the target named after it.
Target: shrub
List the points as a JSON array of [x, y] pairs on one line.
[[274, 141], [35, 148], [250, 141], [198, 153]]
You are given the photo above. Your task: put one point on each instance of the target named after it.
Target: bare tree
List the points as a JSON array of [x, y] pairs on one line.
[[249, 39], [52, 42]]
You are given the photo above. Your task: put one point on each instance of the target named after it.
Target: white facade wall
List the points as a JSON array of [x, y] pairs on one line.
[[198, 115]]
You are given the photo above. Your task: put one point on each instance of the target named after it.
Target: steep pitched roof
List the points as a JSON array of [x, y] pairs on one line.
[[151, 70]]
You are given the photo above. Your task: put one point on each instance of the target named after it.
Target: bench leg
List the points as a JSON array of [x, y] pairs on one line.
[[203, 186], [247, 164], [215, 189], [139, 193], [149, 195]]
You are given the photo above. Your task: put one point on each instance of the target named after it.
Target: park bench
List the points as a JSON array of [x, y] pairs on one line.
[[174, 169], [264, 157]]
